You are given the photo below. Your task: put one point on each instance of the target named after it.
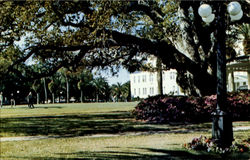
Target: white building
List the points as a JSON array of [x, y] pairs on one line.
[[144, 84], [240, 79], [238, 74], [238, 71]]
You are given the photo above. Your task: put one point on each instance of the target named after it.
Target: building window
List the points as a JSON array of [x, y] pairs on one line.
[[139, 79], [151, 77], [173, 88], [144, 78], [172, 75], [144, 91], [151, 90], [134, 91], [134, 79], [139, 91]]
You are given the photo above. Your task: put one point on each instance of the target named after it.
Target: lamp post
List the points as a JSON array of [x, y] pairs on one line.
[[222, 122]]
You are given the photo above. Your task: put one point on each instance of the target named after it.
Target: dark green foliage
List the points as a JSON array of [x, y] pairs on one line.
[[108, 34], [164, 109]]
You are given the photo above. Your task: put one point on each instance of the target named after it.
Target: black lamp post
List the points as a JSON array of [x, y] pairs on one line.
[[222, 130], [222, 123]]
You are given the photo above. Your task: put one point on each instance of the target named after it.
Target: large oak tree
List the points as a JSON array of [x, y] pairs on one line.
[[106, 33]]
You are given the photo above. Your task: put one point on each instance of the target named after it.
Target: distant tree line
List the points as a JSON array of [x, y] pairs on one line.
[[65, 86]]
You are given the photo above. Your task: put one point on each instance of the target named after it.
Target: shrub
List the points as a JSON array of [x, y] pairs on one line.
[[238, 105], [163, 109]]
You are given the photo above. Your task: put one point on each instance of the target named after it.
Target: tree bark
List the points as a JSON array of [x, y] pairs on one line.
[[53, 98], [97, 97], [159, 76], [67, 88], [45, 90], [37, 98], [81, 96]]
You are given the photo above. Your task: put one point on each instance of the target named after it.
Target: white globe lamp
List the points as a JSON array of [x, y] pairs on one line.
[[237, 17], [208, 19], [205, 10], [234, 8]]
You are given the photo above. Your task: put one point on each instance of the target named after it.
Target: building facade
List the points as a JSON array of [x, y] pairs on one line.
[[238, 74], [238, 71], [144, 84]]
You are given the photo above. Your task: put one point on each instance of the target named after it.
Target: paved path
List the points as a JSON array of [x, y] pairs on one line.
[[241, 128], [29, 138]]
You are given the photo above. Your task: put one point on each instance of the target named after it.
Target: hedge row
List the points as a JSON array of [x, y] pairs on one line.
[[164, 109]]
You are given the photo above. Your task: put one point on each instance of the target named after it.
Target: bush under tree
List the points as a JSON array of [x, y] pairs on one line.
[[165, 109]]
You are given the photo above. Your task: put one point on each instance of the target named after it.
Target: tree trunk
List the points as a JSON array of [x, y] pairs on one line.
[[246, 46], [37, 98], [159, 75], [81, 96], [45, 90], [197, 84], [53, 98], [67, 87], [97, 97]]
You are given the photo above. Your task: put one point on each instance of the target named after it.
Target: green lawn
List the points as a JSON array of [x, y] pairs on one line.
[[74, 123], [65, 109]]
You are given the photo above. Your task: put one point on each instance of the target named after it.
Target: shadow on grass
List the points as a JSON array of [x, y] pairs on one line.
[[58, 107], [88, 124], [155, 154], [45, 107]]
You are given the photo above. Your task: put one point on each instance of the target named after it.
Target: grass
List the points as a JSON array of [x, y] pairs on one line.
[[72, 122], [157, 146], [65, 109]]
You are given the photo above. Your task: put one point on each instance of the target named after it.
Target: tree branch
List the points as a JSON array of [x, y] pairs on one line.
[[171, 57], [155, 15]]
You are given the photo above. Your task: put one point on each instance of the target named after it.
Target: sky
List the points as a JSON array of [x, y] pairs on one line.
[[122, 76]]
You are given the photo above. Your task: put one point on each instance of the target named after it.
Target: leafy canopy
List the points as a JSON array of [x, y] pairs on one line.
[[87, 34]]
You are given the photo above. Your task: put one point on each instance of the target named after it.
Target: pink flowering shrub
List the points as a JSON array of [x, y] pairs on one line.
[[238, 105], [164, 109]]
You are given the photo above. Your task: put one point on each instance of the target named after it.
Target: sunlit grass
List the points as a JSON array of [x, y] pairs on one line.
[[70, 147], [128, 139], [158, 146], [65, 109]]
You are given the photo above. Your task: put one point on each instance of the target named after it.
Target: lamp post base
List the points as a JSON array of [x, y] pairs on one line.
[[222, 131]]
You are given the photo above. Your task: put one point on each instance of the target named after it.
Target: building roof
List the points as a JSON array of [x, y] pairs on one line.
[[241, 63]]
